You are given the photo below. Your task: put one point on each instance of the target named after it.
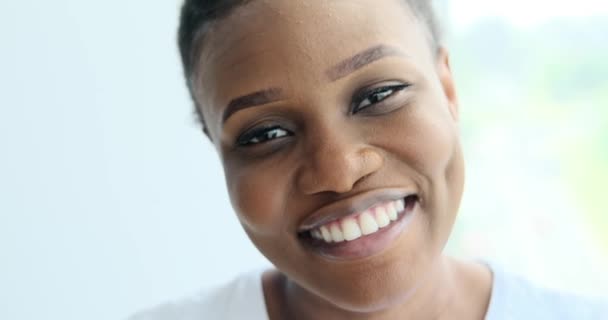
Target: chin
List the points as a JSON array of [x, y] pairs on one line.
[[377, 292], [380, 283]]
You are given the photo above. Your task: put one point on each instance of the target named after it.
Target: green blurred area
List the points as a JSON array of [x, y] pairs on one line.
[[548, 84]]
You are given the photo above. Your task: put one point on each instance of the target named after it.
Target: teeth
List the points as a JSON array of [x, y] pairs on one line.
[[400, 205], [351, 229], [317, 234], [368, 223], [382, 218], [391, 211], [326, 234], [336, 233]]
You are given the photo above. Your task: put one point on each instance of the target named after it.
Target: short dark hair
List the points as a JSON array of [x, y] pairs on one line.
[[197, 15]]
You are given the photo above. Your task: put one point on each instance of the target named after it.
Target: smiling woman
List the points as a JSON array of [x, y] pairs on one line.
[[337, 126]]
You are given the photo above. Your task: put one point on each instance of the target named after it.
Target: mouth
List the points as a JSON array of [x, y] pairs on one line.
[[362, 233]]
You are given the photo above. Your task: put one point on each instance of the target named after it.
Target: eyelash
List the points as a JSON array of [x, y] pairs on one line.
[[258, 134], [264, 134], [388, 91]]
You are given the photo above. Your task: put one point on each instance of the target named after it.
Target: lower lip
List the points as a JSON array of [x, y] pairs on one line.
[[365, 246]]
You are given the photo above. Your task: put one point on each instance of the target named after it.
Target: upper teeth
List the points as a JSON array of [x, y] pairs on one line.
[[365, 223]]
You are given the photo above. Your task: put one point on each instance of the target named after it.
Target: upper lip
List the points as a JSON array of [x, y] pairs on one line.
[[350, 206]]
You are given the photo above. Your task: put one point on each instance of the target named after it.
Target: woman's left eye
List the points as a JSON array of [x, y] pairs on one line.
[[375, 96]]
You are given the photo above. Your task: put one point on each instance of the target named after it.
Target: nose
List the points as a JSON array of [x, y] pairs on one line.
[[336, 164]]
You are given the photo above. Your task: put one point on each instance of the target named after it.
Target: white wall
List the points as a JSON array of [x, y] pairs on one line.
[[110, 197]]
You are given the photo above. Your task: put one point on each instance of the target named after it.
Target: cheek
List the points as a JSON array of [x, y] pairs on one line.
[[258, 196], [427, 147], [426, 140]]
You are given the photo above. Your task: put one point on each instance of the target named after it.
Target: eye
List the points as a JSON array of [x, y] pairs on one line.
[[375, 96], [262, 135]]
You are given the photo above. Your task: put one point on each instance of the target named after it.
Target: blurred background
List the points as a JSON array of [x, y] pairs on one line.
[[112, 200]]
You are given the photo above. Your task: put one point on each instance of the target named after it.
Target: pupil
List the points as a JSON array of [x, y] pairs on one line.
[[380, 95], [273, 134]]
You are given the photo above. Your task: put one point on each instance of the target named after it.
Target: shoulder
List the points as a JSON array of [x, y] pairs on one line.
[[241, 296], [514, 297]]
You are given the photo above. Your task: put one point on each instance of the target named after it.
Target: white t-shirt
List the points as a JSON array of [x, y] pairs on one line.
[[512, 298]]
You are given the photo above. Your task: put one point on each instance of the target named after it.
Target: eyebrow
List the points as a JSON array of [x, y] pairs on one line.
[[340, 70], [360, 60], [251, 100]]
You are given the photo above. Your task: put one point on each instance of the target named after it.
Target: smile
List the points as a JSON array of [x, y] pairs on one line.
[[362, 233], [360, 224]]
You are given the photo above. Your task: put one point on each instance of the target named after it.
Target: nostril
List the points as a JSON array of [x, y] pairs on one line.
[[338, 169], [363, 178]]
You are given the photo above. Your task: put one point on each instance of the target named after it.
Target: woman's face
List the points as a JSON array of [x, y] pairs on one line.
[[334, 120]]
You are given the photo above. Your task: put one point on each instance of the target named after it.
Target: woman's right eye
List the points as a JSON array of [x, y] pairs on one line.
[[262, 135]]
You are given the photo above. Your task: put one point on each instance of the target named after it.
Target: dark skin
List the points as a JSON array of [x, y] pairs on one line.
[[326, 129]]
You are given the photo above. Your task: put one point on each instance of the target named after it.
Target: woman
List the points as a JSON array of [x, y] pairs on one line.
[[337, 126]]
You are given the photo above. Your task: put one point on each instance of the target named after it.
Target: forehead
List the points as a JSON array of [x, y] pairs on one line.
[[270, 43]]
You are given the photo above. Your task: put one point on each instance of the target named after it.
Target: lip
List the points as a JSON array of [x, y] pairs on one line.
[[351, 206], [368, 245]]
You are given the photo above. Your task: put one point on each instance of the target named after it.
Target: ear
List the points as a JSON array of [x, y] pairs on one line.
[[447, 81]]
